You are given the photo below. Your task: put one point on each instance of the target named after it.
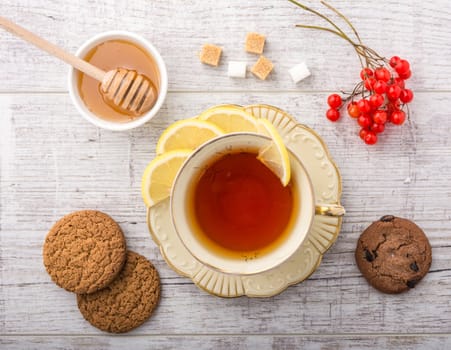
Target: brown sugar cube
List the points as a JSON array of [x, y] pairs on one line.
[[211, 54], [262, 68], [255, 43]]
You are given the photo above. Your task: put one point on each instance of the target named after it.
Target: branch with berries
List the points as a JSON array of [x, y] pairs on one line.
[[381, 95]]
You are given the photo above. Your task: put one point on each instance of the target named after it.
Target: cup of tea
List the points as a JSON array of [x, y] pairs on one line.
[[232, 212]]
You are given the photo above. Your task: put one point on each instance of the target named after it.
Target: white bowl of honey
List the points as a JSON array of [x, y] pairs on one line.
[[111, 50]]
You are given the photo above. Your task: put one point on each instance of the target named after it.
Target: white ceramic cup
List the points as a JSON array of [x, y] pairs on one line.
[[252, 262], [74, 76]]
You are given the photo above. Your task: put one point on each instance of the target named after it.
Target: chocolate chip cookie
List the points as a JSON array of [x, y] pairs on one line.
[[84, 251], [393, 254], [128, 301]]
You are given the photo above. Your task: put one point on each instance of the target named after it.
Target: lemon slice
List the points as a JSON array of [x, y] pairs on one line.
[[159, 176], [275, 155], [230, 119], [186, 134]]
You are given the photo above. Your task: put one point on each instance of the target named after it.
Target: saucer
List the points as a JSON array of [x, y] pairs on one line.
[[326, 180]]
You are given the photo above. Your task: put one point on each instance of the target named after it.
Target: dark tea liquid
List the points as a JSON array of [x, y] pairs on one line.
[[240, 205]]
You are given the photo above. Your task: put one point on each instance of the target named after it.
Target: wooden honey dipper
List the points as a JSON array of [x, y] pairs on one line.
[[124, 89]]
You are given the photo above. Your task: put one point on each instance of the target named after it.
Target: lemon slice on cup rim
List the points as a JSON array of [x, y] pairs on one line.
[[159, 175], [187, 134], [230, 118], [275, 156], [179, 140]]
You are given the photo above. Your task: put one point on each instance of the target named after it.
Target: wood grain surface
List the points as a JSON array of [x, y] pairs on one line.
[[54, 162]]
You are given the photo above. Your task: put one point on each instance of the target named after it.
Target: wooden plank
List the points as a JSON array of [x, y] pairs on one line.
[[317, 306], [54, 162], [227, 342], [414, 29]]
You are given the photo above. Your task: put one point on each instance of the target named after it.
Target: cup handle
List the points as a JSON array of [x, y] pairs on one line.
[[329, 210]]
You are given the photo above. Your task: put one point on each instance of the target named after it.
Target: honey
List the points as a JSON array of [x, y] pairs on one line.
[[239, 206], [110, 55]]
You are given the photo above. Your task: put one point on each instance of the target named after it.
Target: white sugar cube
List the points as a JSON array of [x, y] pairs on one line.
[[237, 69], [299, 72]]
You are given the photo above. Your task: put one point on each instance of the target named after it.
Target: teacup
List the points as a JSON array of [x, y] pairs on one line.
[[226, 260]]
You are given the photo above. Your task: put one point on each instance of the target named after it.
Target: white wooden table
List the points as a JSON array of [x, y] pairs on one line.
[[54, 162]]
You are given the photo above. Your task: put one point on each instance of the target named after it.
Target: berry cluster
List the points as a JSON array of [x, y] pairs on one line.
[[381, 92], [383, 98]]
